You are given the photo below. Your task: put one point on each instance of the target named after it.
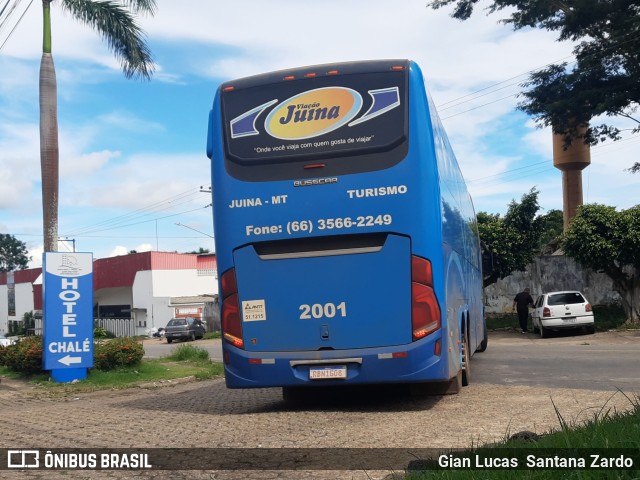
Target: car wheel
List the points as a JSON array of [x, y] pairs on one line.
[[192, 336], [590, 329], [466, 361], [169, 340]]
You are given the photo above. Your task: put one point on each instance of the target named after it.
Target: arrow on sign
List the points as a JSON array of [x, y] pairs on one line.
[[68, 360]]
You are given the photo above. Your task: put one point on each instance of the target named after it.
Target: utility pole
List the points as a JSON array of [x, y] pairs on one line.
[[67, 239]]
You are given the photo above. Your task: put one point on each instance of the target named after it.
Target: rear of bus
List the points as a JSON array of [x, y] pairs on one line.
[[327, 227]]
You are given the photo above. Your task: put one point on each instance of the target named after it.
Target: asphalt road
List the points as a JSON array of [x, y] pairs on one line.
[[604, 361]]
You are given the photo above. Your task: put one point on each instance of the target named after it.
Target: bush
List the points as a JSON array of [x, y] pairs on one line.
[[119, 352], [99, 332], [609, 317], [188, 353], [502, 321], [3, 351], [25, 356]]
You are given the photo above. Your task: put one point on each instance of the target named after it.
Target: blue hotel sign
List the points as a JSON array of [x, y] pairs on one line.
[[68, 315]]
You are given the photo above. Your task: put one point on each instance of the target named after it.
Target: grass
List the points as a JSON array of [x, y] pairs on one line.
[[608, 429], [607, 317], [186, 361]]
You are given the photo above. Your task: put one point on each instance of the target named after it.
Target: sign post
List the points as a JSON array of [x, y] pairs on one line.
[[68, 315]]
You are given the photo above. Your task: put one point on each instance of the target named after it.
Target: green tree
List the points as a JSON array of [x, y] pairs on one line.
[[512, 240], [606, 240], [200, 251], [115, 23], [13, 253], [605, 79], [551, 226]]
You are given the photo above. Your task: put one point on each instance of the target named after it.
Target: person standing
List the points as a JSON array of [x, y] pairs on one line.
[[521, 303]]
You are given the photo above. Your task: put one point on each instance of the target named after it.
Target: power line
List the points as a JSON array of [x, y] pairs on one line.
[[156, 207], [17, 23], [140, 222], [473, 94], [540, 167], [617, 41]]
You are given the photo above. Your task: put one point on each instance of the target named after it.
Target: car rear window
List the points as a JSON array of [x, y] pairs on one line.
[[565, 298], [176, 321]]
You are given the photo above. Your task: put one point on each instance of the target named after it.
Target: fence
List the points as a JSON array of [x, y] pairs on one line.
[[120, 327]]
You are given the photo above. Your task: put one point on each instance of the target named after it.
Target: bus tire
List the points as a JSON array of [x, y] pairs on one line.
[[485, 341], [466, 360]]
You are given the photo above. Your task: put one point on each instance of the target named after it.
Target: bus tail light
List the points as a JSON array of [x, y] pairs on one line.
[[231, 322], [425, 309]]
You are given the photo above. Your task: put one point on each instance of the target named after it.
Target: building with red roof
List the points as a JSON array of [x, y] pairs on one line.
[[137, 287]]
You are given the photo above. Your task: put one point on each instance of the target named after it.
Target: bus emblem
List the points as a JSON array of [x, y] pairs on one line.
[[315, 181], [313, 113]]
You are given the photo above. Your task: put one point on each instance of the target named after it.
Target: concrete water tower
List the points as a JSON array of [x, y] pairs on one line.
[[571, 161]]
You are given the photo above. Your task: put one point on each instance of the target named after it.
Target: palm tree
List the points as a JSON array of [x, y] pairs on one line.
[[115, 22]]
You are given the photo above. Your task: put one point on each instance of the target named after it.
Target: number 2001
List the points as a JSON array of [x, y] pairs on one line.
[[328, 310]]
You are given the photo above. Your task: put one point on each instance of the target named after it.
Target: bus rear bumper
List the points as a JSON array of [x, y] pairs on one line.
[[422, 361]]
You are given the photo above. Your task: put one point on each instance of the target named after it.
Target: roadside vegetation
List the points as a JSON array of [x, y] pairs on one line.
[[608, 429], [607, 317], [118, 364]]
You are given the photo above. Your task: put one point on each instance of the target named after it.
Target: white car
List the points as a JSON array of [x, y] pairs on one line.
[[562, 310], [4, 341]]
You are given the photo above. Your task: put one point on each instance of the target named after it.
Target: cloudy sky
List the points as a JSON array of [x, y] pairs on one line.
[[133, 168]]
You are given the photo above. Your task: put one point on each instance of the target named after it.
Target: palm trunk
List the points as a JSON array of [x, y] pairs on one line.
[[49, 159]]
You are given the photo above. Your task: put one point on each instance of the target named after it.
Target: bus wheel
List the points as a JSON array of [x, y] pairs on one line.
[[485, 341], [466, 360]]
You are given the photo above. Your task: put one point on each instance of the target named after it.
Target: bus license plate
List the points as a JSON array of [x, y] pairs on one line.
[[327, 373]]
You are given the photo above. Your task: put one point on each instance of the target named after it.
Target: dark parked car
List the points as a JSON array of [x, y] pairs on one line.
[[184, 329]]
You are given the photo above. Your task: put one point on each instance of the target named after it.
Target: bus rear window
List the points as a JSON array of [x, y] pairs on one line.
[[329, 118]]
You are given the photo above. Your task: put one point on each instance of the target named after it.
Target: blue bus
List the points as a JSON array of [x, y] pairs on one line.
[[345, 237]]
